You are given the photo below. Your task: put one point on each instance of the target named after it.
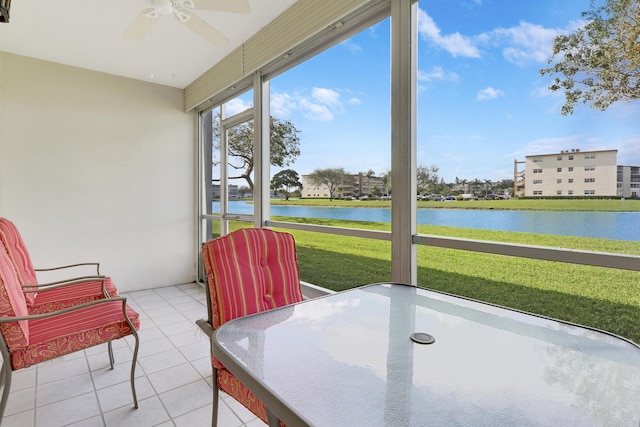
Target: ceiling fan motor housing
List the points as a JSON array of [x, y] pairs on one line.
[[167, 7]]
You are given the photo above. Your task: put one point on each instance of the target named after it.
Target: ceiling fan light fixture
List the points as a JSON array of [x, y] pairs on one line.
[[4, 10], [162, 7]]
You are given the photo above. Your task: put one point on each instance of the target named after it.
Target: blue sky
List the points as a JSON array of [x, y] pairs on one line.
[[481, 100]]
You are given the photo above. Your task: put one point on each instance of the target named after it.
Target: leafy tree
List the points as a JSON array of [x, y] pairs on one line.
[[464, 183], [284, 146], [488, 185], [427, 179], [285, 182], [386, 183], [331, 177], [243, 190], [475, 184], [600, 61]]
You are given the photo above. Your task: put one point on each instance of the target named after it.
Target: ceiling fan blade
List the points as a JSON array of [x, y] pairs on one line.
[[235, 6], [140, 26], [205, 31]]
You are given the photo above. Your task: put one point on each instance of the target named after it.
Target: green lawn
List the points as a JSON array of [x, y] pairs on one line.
[[607, 299]]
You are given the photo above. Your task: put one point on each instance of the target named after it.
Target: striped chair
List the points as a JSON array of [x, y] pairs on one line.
[[248, 271], [63, 293], [27, 339]]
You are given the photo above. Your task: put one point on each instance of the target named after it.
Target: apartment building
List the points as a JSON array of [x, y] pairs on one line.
[[572, 173], [355, 185], [628, 184]]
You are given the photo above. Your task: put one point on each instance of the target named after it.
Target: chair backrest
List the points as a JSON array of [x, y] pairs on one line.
[[12, 303], [248, 271], [19, 256]]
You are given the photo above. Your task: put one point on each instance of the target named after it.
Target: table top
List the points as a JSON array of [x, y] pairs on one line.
[[348, 359]]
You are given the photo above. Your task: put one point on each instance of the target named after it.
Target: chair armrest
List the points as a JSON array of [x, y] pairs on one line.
[[206, 327], [43, 287], [96, 264], [70, 309]]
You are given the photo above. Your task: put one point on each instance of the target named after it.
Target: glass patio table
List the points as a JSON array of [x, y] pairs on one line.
[[398, 355]]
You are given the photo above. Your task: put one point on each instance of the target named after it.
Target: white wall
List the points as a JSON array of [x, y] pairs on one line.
[[98, 167]]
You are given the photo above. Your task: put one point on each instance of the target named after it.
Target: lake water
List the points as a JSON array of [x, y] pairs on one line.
[[606, 225]]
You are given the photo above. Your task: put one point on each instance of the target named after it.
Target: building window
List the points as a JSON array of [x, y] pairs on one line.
[[559, 192], [537, 181], [570, 157], [589, 192], [558, 181], [537, 160], [559, 169], [559, 158], [589, 180], [570, 180], [589, 156], [570, 192], [537, 171], [537, 193], [571, 169], [589, 168]]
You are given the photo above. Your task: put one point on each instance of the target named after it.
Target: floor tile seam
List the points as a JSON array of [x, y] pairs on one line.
[[35, 410], [204, 377], [140, 402], [95, 390], [41, 365], [188, 412], [33, 415], [53, 384], [158, 393]]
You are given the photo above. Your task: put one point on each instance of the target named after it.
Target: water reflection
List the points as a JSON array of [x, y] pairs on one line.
[[604, 225]]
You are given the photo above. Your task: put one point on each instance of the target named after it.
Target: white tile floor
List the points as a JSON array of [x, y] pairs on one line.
[[173, 375]]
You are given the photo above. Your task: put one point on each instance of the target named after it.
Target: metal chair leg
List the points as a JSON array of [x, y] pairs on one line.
[[110, 350], [134, 362], [214, 415], [273, 420]]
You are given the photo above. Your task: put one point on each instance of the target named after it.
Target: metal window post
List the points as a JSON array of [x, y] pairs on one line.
[[403, 140]]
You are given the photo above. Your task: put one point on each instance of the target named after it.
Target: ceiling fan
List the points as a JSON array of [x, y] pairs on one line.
[[182, 9]]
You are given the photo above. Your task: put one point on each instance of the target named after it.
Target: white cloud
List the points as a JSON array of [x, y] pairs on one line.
[[437, 73], [522, 44], [548, 145], [629, 150], [456, 44], [525, 43], [320, 104], [315, 111], [326, 96], [489, 93], [236, 106], [282, 104], [351, 46]]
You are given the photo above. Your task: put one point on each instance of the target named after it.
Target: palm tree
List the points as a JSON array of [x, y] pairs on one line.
[[488, 184]]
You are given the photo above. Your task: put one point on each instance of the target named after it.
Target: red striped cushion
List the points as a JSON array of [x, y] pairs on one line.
[[18, 254], [56, 336], [12, 303], [249, 271], [234, 388], [59, 298]]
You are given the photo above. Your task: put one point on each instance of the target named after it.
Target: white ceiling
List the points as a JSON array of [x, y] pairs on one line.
[[88, 34]]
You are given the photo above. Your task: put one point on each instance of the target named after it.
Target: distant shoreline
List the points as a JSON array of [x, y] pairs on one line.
[[629, 205]]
